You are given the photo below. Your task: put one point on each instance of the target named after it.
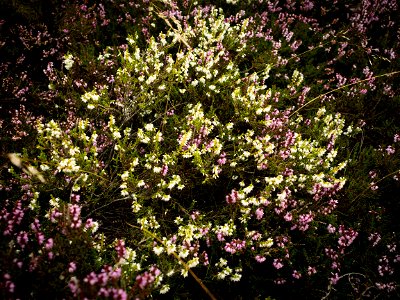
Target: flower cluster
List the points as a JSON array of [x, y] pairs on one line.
[[209, 141]]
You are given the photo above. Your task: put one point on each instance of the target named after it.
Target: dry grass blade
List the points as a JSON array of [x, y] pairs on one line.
[[28, 169]]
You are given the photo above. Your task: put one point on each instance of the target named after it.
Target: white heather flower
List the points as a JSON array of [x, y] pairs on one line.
[[149, 127], [193, 262], [68, 165], [268, 243], [125, 175], [143, 138], [166, 197], [116, 134], [151, 79], [236, 277], [134, 163], [84, 177], [183, 253], [158, 137], [164, 289], [68, 61], [158, 250], [178, 220], [248, 189], [44, 167], [95, 97], [184, 272], [136, 207], [55, 202]]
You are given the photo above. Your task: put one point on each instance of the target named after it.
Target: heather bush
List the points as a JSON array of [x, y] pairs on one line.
[[229, 144]]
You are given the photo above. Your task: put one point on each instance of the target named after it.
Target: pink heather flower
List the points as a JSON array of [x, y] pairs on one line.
[[120, 248], [374, 238], [195, 215], [72, 267], [22, 239], [102, 278], [204, 256], [49, 244], [311, 270], [35, 226], [373, 186], [389, 287], [288, 217], [232, 197], [91, 278], [390, 150], [75, 198], [75, 213], [74, 285], [335, 265], [296, 274], [164, 170], [304, 220], [348, 236], [396, 138], [222, 159], [204, 230], [220, 236], [259, 213], [103, 292], [277, 263], [55, 214], [331, 229], [119, 294], [235, 246], [260, 259], [334, 279], [391, 247], [40, 237], [280, 281], [256, 236], [9, 284], [147, 278], [115, 274], [384, 267], [89, 223]]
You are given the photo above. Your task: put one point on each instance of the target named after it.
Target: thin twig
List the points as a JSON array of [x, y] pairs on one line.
[[208, 292], [383, 178], [342, 87], [115, 200]]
